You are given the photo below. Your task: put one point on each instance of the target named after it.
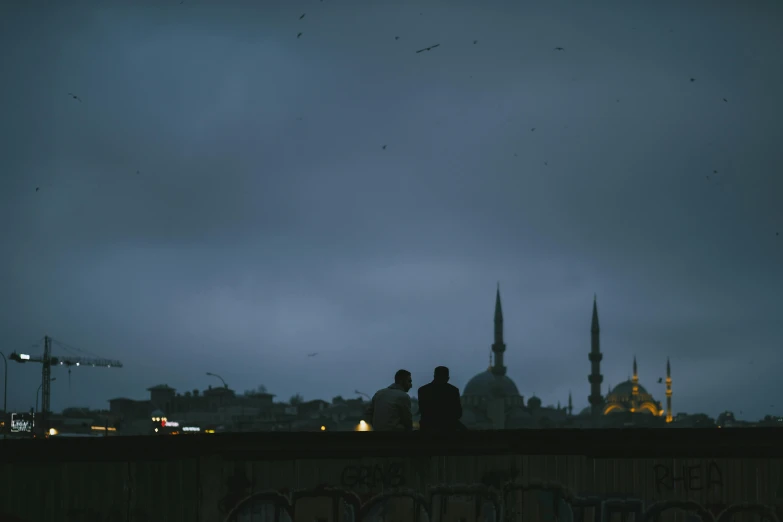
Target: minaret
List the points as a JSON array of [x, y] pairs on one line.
[[570, 405], [498, 347], [595, 378], [668, 391], [635, 379]]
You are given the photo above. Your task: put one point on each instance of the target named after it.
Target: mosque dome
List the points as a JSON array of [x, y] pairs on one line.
[[488, 384], [626, 389], [622, 398]]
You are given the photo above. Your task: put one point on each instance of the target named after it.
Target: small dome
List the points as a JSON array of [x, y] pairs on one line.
[[534, 402], [487, 384]]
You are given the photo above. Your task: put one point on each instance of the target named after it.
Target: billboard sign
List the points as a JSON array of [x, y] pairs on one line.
[[22, 422]]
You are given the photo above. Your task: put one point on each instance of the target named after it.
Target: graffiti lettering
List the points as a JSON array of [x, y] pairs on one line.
[[373, 476], [472, 502], [696, 477]]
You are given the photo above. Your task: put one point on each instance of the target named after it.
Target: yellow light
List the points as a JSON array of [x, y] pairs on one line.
[[205, 431], [363, 426], [53, 431], [323, 428]]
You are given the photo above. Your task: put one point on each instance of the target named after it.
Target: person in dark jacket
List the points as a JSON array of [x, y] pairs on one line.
[[439, 404]]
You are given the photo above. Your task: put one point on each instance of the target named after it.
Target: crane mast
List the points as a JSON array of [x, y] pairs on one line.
[[47, 361], [46, 383]]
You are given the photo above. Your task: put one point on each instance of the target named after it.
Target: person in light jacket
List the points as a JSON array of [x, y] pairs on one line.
[[390, 408]]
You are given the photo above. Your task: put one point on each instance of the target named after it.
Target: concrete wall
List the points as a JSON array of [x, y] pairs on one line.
[[336, 478]]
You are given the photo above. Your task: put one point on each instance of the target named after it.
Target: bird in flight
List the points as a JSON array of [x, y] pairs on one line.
[[475, 42], [384, 147], [396, 37], [533, 129], [72, 95], [660, 380], [559, 49], [693, 80], [312, 354], [427, 48], [300, 34], [725, 100], [303, 15], [37, 189]]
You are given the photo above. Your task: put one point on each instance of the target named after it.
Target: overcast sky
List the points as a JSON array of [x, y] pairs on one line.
[[218, 199]]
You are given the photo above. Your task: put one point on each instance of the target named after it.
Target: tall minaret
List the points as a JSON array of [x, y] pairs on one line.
[[595, 378], [498, 347], [570, 405], [668, 391], [635, 379]]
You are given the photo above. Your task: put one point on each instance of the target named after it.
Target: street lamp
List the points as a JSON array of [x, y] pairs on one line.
[[210, 374], [38, 391], [5, 393]]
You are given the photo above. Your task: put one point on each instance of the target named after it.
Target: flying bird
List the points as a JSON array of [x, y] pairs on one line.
[[384, 147], [312, 354], [72, 95], [303, 15], [693, 79], [428, 48], [559, 49], [660, 380], [533, 129], [37, 189], [725, 100], [300, 34], [396, 37], [546, 164], [475, 42]]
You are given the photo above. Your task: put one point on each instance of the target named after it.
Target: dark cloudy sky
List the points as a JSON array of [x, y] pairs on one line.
[[220, 200]]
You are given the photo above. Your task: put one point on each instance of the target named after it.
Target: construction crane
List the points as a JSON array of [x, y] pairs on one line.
[[47, 360]]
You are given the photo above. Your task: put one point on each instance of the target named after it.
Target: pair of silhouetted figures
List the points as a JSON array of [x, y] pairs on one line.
[[439, 405]]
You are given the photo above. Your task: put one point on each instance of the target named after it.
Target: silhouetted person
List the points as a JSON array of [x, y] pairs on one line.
[[390, 408], [439, 404]]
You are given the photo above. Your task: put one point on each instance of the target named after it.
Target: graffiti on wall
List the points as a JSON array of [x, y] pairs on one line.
[[491, 501], [476, 503], [687, 478]]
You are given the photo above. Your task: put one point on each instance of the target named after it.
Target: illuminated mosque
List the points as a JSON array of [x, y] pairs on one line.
[[491, 399]]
